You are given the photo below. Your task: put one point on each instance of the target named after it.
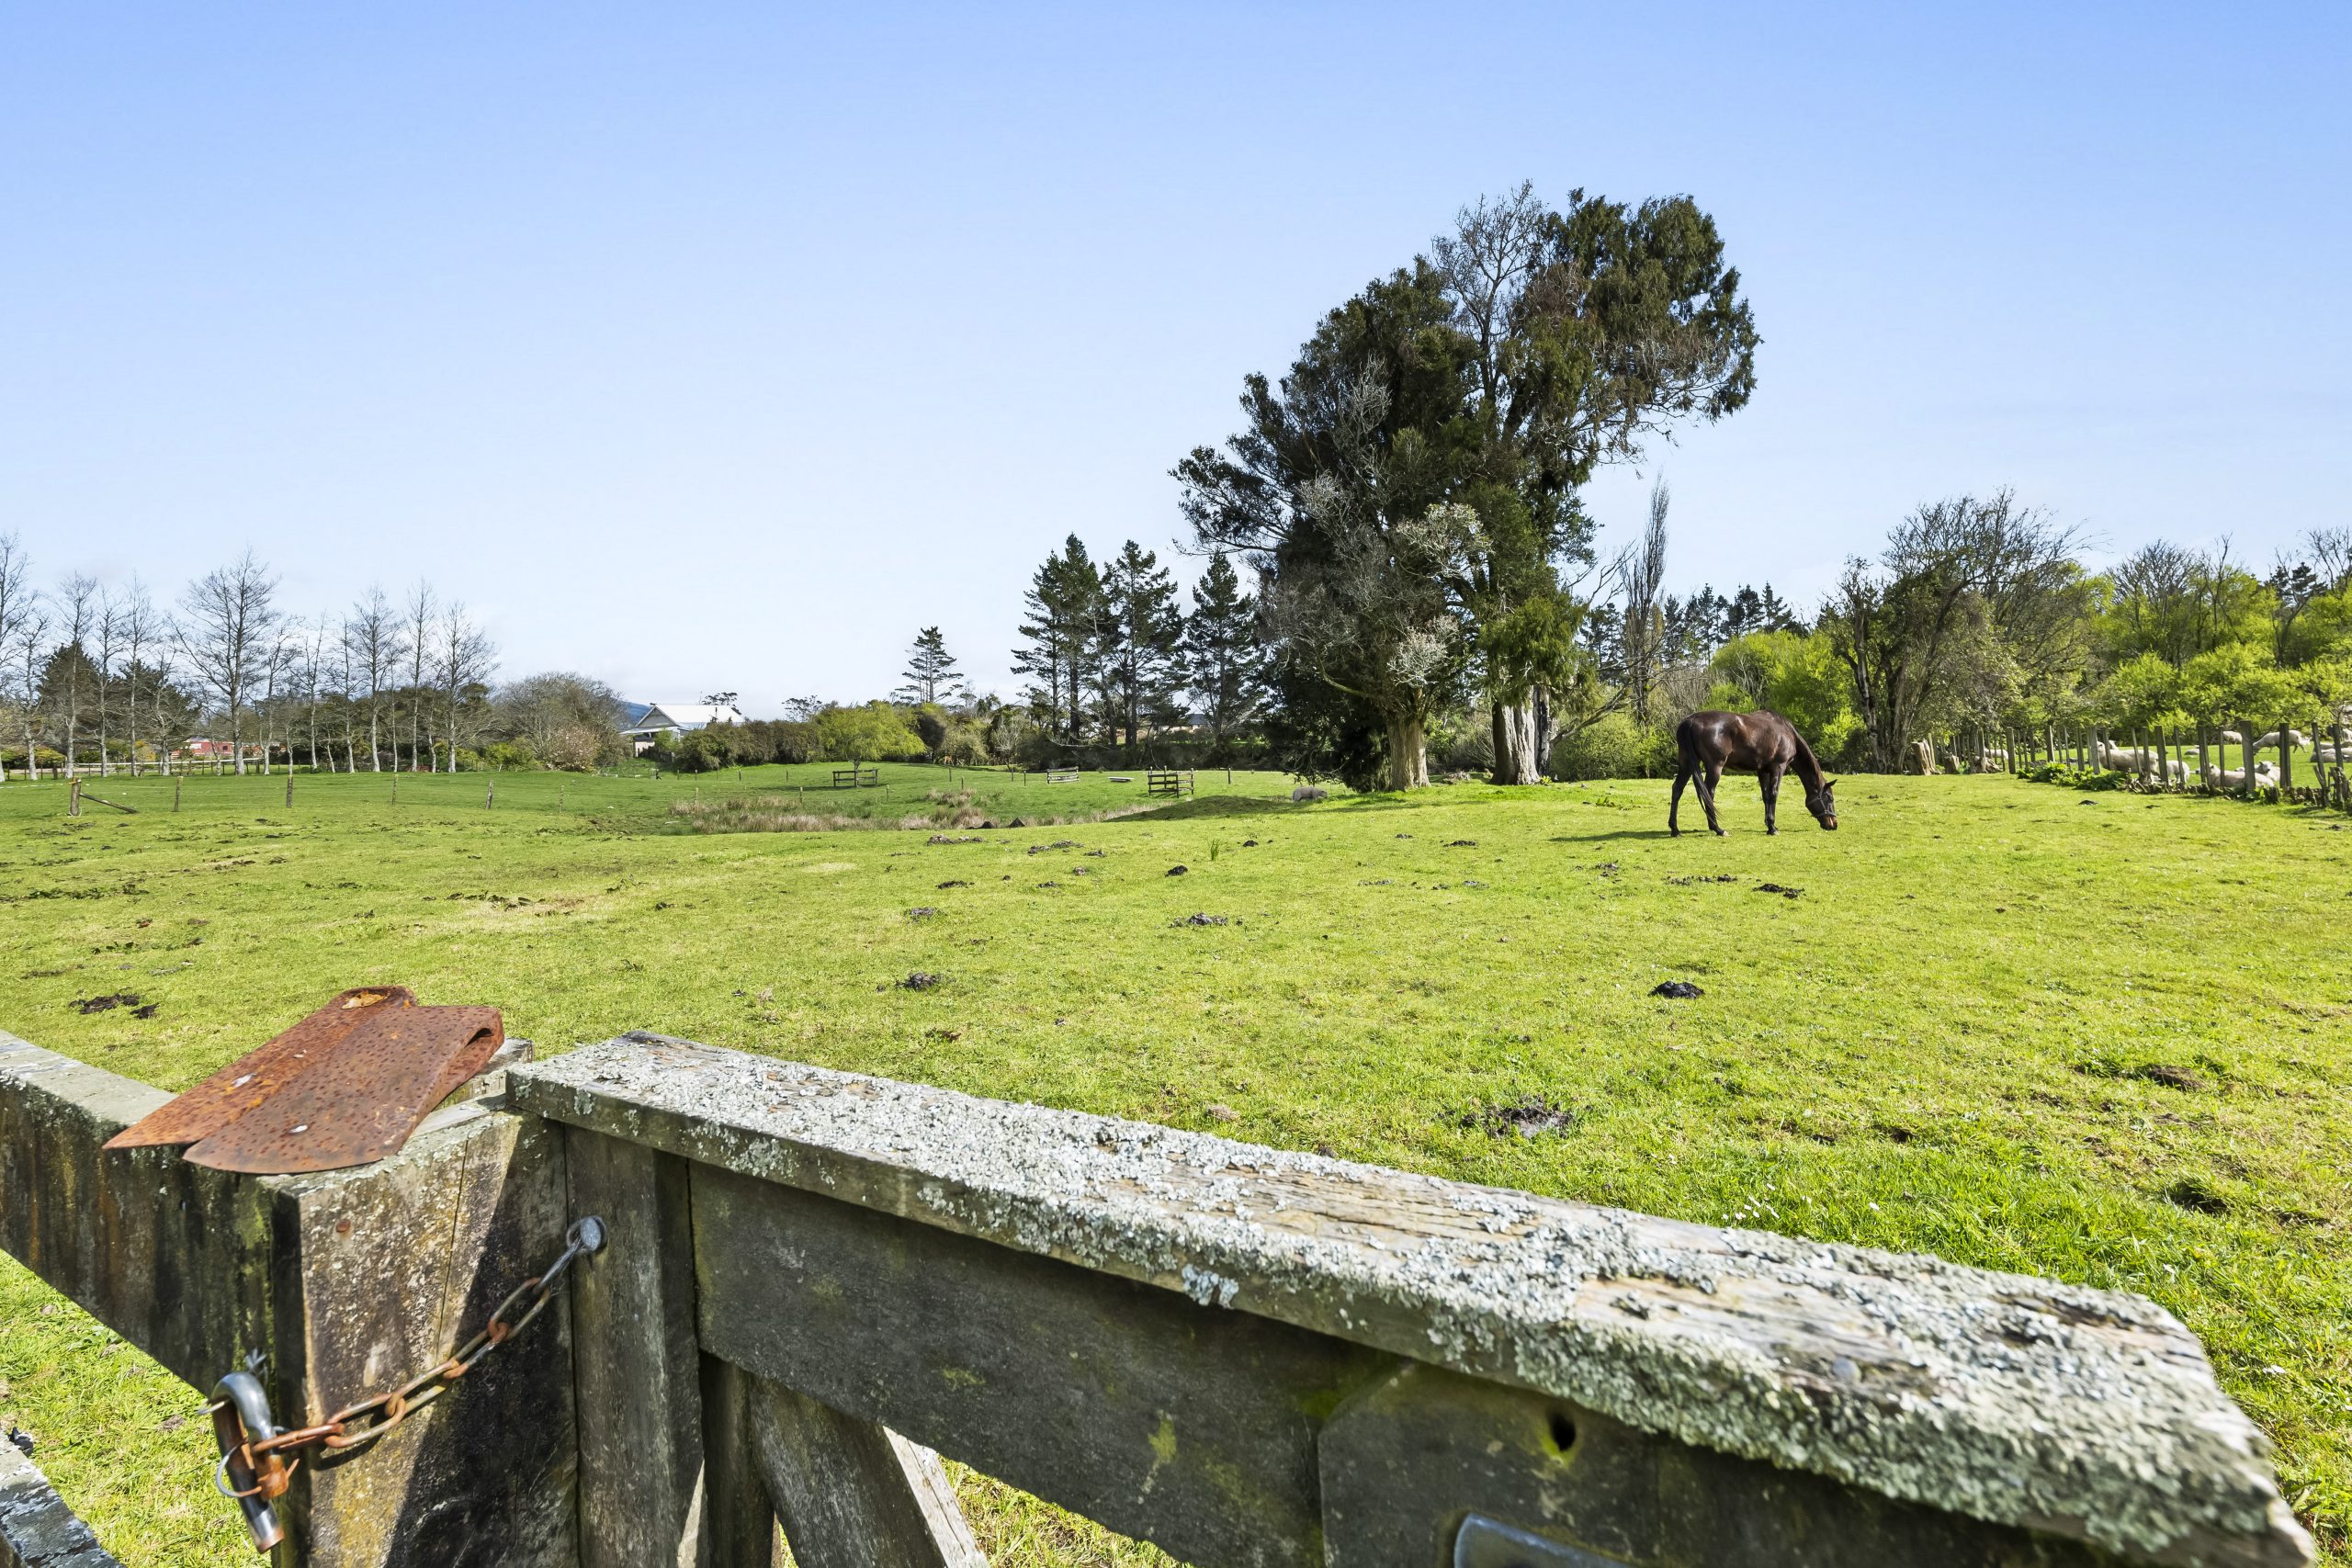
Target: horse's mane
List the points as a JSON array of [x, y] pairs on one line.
[[1808, 765]]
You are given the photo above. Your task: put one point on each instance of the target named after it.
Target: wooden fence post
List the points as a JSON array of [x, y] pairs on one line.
[[345, 1283], [2286, 761], [2246, 738], [2342, 762]]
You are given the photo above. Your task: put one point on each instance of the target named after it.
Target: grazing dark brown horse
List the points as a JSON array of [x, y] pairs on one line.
[[1707, 743]]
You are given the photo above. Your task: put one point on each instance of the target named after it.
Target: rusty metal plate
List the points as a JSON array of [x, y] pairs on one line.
[[360, 1100], [251, 1079]]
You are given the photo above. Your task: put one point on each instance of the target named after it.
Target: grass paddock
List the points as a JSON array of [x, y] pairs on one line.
[[2099, 1038]]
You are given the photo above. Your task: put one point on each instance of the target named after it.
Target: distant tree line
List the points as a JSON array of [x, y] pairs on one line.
[[101, 678], [1980, 615]]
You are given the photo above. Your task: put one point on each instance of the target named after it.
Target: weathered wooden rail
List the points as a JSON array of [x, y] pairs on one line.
[[820, 1282]]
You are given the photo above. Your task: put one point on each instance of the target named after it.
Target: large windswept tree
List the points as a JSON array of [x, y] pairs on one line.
[[1532, 345]]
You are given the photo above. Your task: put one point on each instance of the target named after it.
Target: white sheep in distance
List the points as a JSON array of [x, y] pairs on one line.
[[2264, 777], [2302, 742]]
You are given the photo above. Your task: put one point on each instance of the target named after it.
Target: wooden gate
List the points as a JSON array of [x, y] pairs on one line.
[[818, 1284]]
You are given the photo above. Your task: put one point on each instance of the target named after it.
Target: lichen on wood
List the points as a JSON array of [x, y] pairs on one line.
[[2014, 1400]]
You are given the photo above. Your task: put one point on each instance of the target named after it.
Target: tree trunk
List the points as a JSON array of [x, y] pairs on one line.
[[1409, 765], [1515, 746]]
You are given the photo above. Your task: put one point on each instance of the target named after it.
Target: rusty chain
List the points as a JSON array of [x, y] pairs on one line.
[[266, 1457]]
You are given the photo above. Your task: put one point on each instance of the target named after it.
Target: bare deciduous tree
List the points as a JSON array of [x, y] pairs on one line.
[[2331, 553], [77, 621], [22, 626], [464, 657], [420, 609], [314, 680], [278, 663], [106, 639], [569, 720], [376, 641], [1644, 575], [139, 632], [230, 614]]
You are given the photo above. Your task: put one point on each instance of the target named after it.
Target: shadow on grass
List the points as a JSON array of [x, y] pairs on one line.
[[1212, 806], [1620, 833]]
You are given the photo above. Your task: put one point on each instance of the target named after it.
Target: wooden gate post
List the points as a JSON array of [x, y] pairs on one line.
[[346, 1283]]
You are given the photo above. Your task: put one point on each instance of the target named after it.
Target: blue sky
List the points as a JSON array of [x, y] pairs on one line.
[[722, 347]]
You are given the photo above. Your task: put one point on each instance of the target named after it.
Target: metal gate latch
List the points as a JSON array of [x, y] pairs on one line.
[[256, 1466], [1483, 1542]]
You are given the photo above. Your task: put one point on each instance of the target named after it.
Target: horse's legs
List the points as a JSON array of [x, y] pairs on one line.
[[1674, 810], [1770, 779], [1714, 775]]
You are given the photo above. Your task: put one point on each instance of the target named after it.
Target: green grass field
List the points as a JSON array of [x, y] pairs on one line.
[[2098, 1038]]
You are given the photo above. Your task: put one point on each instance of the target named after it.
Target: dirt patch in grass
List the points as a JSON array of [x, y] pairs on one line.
[[1529, 1116]]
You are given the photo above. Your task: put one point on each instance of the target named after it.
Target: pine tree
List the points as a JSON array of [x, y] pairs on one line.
[[1774, 614], [1064, 610], [931, 672], [1224, 663], [1138, 642], [1742, 613]]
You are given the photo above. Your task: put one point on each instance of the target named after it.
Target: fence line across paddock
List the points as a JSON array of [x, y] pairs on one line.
[[2313, 766]]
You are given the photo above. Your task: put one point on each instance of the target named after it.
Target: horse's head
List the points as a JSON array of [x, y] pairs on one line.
[[1823, 804]]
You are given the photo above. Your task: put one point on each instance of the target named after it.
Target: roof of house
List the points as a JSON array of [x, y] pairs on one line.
[[685, 715]]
